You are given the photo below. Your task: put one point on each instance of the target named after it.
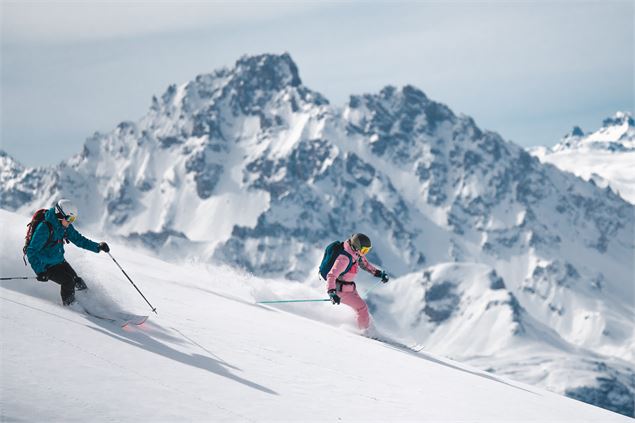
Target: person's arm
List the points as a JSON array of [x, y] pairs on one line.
[[80, 240], [365, 264]]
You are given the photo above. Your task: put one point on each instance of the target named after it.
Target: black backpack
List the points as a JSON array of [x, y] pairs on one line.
[[331, 253], [38, 217]]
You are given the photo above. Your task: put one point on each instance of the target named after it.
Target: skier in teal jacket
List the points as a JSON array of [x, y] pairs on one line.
[[46, 249]]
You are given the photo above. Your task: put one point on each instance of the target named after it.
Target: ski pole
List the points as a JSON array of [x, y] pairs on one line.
[[371, 290], [17, 277], [135, 286], [368, 291], [292, 301]]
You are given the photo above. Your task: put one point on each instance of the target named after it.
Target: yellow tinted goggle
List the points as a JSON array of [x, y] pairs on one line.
[[364, 250], [71, 218]]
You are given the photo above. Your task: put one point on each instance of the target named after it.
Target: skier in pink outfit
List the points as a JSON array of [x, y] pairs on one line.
[[340, 278]]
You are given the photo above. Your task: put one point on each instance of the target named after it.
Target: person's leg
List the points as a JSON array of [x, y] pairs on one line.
[[353, 300], [80, 285], [64, 275]]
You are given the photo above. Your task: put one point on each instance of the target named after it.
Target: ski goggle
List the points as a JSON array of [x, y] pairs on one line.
[[364, 250], [61, 213]]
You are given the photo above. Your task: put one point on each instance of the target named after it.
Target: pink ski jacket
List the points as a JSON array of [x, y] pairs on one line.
[[342, 262]]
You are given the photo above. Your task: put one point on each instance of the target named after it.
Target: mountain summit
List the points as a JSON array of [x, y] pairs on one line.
[[605, 156], [247, 166], [616, 134]]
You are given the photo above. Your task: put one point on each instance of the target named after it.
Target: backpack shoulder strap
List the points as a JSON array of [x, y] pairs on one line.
[[350, 259], [50, 238]]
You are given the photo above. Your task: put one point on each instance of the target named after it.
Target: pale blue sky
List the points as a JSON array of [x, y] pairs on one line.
[[529, 70]]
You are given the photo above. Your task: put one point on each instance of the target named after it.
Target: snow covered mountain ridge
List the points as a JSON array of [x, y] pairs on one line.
[[249, 167], [616, 134], [605, 156]]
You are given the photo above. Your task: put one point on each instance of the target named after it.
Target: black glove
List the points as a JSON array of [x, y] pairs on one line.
[[382, 274], [335, 299], [104, 247], [42, 277]]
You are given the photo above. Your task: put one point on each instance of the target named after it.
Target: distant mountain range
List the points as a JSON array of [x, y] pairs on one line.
[[606, 157], [499, 258]]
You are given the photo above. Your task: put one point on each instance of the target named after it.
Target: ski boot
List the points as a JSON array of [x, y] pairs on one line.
[[70, 300], [80, 285]]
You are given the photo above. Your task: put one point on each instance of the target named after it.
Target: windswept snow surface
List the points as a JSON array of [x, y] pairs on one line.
[[604, 168], [212, 354]]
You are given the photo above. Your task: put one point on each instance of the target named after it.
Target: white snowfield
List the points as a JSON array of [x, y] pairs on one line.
[[605, 168], [212, 354]]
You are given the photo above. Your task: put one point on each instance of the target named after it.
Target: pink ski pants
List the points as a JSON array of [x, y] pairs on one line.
[[351, 298]]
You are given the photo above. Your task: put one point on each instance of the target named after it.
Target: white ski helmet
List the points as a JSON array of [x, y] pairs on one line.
[[65, 209]]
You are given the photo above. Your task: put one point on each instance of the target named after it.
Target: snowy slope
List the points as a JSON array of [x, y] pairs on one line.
[[467, 312], [249, 167], [605, 156], [213, 355]]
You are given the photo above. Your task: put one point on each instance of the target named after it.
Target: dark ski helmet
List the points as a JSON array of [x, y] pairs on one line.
[[65, 209], [361, 243]]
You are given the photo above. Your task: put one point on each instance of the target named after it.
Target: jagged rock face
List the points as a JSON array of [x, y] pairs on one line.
[[607, 393], [617, 134], [250, 167], [22, 185]]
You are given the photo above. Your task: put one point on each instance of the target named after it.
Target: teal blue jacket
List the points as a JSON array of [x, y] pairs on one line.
[[43, 255]]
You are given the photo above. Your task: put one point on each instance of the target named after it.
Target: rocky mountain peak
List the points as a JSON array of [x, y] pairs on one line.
[[619, 119], [395, 118], [8, 161], [268, 71], [616, 134], [570, 139], [576, 132], [252, 82]]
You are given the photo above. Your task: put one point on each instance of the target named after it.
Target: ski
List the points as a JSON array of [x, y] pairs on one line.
[[118, 318], [413, 348], [133, 319], [121, 322]]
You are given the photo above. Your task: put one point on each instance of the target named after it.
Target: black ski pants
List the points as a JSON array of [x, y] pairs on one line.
[[64, 275]]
